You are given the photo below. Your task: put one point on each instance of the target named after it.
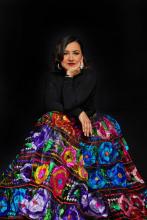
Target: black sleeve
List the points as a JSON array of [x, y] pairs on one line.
[[75, 112], [75, 96], [52, 99], [90, 107]]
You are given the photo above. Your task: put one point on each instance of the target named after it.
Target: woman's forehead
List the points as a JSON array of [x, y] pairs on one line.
[[73, 46]]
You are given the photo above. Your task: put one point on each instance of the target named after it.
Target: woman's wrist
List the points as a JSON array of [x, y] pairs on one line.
[[68, 74]]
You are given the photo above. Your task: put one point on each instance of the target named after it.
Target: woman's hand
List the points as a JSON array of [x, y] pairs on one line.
[[73, 71], [86, 123]]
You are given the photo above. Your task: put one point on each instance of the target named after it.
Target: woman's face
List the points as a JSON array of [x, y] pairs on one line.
[[72, 56]]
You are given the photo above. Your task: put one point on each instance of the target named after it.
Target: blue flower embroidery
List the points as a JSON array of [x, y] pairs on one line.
[[18, 196], [96, 180], [107, 153], [89, 155], [117, 175]]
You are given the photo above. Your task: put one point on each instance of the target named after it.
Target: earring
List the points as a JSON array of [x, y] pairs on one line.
[[81, 66], [59, 66]]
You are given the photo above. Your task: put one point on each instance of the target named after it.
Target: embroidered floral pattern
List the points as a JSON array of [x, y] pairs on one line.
[[89, 155], [60, 174], [132, 206], [69, 156], [41, 173], [35, 206], [96, 179], [107, 153], [58, 180], [93, 205], [117, 175]]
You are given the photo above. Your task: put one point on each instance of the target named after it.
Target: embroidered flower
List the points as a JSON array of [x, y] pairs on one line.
[[69, 156], [41, 173], [26, 172], [89, 155], [107, 153], [35, 206], [58, 180], [93, 205], [18, 196], [117, 175], [96, 180], [7, 206], [38, 138]]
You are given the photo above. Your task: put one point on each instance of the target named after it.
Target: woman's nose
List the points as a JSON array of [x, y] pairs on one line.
[[70, 57]]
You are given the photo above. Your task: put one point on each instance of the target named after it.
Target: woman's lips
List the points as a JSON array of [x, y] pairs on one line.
[[71, 64]]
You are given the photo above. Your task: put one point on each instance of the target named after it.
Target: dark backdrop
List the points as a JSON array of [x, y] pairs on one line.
[[114, 33]]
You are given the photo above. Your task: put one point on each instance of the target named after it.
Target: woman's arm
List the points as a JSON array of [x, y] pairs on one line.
[[75, 112], [52, 99]]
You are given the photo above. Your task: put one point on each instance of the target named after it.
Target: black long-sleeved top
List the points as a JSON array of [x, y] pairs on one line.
[[71, 95]]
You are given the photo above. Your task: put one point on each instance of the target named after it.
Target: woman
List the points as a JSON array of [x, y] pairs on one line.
[[75, 163]]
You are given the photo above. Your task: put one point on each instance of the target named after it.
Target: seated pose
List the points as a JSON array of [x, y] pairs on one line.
[[74, 163]]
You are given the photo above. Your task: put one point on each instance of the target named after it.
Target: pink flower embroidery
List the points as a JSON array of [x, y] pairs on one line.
[[58, 180], [69, 156]]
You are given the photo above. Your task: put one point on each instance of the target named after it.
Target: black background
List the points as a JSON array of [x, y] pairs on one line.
[[114, 33]]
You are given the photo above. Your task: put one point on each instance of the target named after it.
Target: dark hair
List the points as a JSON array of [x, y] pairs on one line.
[[60, 47]]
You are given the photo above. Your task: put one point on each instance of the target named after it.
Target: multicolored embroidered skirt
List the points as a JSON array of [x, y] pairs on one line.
[[62, 174]]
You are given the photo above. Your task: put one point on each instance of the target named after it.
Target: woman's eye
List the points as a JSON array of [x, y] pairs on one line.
[[76, 53]]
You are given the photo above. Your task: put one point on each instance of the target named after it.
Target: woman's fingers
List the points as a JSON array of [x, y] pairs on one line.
[[90, 130], [86, 124], [87, 128], [74, 70], [84, 127]]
